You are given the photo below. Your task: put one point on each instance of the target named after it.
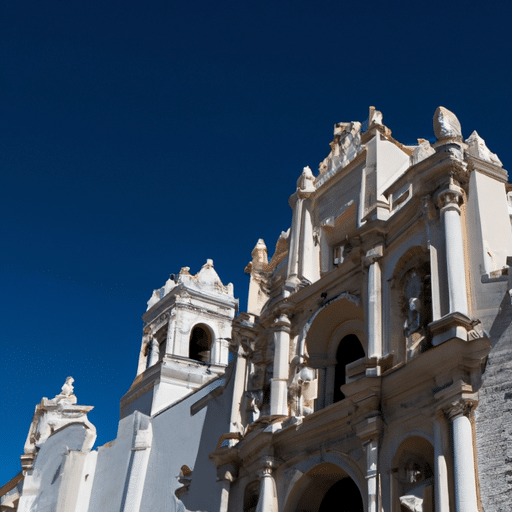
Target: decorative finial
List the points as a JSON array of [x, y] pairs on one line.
[[446, 124]]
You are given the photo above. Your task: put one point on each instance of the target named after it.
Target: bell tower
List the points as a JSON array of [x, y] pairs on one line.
[[185, 342]]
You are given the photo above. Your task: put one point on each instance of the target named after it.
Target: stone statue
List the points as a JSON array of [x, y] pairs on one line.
[[67, 388], [416, 309], [412, 293], [255, 403], [302, 390], [66, 394]]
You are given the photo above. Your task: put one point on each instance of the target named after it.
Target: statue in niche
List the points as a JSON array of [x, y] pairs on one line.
[[417, 309], [415, 478], [302, 390], [255, 403]]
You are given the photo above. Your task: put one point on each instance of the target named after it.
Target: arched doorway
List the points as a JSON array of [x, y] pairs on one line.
[[329, 488], [349, 350]]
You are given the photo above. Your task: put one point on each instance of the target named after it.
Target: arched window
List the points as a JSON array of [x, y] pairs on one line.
[[200, 343], [349, 350]]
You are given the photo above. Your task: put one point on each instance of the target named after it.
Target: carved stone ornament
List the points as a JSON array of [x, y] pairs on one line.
[[306, 183], [411, 503], [423, 151], [446, 124], [344, 148], [478, 148], [459, 407]]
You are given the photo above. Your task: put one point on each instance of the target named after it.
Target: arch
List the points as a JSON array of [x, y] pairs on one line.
[[200, 343], [320, 475], [337, 320], [343, 312]]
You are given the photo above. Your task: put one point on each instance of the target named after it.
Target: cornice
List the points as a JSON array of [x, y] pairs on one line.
[[487, 168]]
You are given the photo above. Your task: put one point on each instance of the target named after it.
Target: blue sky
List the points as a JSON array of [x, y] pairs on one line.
[[141, 137]]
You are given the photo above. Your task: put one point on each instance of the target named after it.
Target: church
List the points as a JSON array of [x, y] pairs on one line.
[[372, 370]]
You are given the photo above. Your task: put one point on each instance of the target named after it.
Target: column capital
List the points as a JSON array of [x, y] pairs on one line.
[[450, 197], [282, 321], [374, 254], [267, 465], [459, 407]]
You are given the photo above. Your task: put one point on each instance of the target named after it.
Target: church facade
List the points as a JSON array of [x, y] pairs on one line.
[[372, 370]]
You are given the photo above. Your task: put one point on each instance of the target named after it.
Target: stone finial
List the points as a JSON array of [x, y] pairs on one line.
[[306, 181], [259, 255], [375, 116], [208, 264], [478, 148], [446, 124]]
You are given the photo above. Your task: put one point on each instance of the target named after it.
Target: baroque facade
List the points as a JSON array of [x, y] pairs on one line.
[[371, 372]]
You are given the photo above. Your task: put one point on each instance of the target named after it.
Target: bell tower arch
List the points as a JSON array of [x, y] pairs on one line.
[[185, 342]]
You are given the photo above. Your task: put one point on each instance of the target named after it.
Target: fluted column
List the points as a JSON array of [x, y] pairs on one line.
[[279, 383], [449, 200], [441, 451], [374, 302], [463, 456]]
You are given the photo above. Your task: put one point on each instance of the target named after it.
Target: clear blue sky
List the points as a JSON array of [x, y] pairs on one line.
[[140, 137]]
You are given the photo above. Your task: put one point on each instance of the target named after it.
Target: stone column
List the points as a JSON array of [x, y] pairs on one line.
[[463, 456], [305, 187], [144, 353], [225, 476], [154, 352], [374, 304], [293, 251], [236, 423], [267, 501], [371, 474], [449, 200], [279, 383], [441, 451]]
